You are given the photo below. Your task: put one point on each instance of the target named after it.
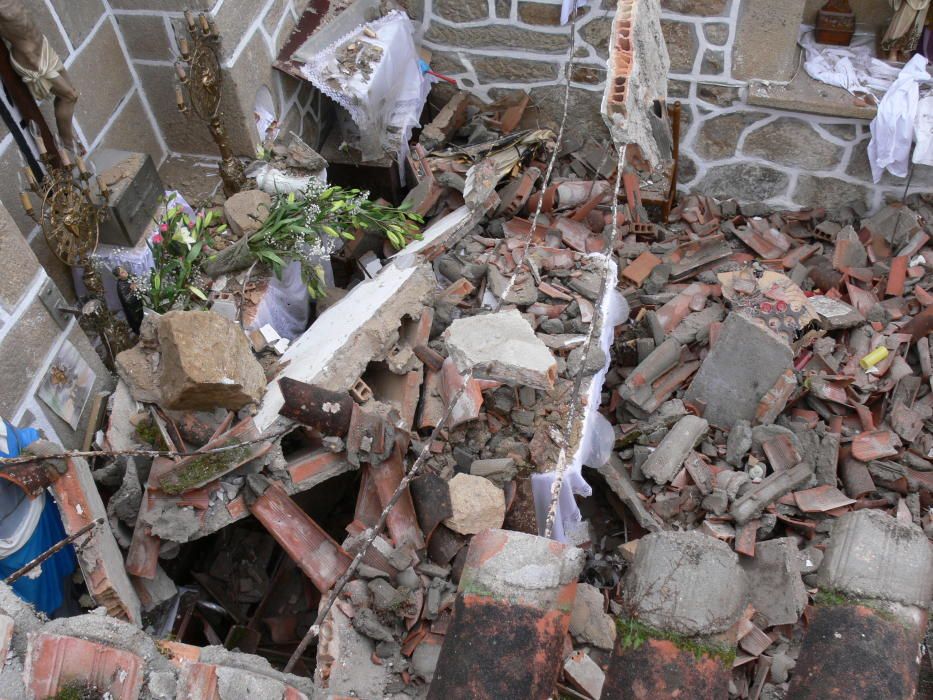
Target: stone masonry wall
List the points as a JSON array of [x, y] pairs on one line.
[[252, 33], [30, 339], [496, 48], [754, 153]]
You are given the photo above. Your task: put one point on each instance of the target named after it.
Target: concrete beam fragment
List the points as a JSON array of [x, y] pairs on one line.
[[873, 555], [335, 351], [687, 583]]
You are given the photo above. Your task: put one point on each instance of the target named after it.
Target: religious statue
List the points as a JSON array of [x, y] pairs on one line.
[[903, 34], [43, 72]]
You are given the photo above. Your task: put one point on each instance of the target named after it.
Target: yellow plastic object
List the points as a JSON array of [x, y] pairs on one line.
[[874, 357]]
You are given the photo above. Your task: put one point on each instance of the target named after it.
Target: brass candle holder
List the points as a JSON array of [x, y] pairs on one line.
[[200, 90], [69, 212]]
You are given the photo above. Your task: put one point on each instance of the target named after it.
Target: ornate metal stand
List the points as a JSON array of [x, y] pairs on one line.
[[69, 213], [200, 74]]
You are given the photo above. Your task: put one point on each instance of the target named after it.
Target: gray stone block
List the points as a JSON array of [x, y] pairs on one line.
[[745, 362], [718, 137], [664, 463], [682, 44], [686, 582], [829, 192], [461, 10], [701, 8], [497, 37], [596, 33], [22, 352], [132, 131], [766, 39], [78, 17], [793, 142], [776, 588], [18, 264], [495, 69], [873, 555], [745, 182], [146, 37], [100, 98]]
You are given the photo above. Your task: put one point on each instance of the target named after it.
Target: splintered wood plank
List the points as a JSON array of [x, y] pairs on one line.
[[317, 555]]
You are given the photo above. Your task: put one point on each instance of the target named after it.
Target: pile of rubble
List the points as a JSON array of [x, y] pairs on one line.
[[750, 389]]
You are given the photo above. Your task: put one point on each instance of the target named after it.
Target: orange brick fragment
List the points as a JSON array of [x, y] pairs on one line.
[[641, 267]]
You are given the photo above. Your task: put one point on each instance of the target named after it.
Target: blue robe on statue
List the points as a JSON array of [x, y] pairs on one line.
[[45, 591]]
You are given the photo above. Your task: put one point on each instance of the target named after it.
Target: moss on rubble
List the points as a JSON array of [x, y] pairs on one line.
[[830, 597], [202, 470], [632, 634], [148, 432], [77, 691]]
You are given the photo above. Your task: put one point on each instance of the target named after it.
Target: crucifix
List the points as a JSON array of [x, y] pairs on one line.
[[34, 60]]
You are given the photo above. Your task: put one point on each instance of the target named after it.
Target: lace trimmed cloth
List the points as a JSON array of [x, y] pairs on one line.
[[384, 100]]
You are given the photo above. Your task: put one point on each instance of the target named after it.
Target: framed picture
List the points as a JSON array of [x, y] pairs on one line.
[[67, 384]]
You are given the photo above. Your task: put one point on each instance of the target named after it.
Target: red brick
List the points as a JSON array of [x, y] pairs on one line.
[[99, 556], [897, 276], [317, 555], [402, 521], [308, 466], [54, 661], [640, 268], [142, 558]]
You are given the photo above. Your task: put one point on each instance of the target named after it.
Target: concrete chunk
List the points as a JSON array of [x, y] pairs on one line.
[[246, 211], [777, 591], [769, 490], [835, 315], [664, 463], [687, 583], [589, 623], [873, 555], [618, 480], [742, 366], [362, 327], [585, 674], [501, 346]]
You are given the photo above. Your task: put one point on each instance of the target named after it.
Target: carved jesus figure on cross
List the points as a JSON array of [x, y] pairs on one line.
[[41, 69]]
